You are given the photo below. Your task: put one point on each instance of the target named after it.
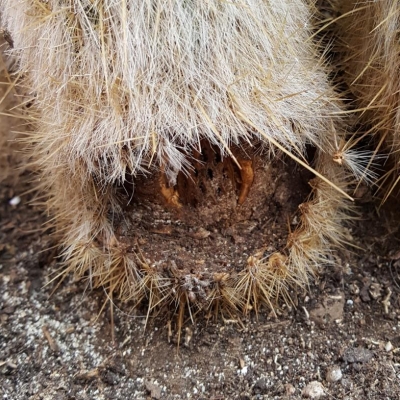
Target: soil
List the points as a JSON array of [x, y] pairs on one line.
[[344, 334], [341, 342]]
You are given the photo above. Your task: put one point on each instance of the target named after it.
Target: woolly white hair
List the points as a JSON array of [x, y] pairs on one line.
[[119, 86], [154, 77]]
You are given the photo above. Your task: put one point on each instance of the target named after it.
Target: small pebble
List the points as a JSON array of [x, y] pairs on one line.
[[334, 374], [314, 390], [388, 346], [15, 201], [350, 303]]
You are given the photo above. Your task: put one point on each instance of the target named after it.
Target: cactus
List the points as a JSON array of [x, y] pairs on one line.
[[368, 48], [173, 140]]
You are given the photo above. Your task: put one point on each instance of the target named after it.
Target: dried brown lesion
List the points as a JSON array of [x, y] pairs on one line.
[[209, 179], [215, 189], [213, 176], [223, 205], [247, 178], [168, 192]]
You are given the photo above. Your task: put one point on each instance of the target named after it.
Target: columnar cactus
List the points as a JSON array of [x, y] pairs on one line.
[[174, 142]]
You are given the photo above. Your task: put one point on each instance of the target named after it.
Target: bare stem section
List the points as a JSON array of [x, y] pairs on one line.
[[127, 89]]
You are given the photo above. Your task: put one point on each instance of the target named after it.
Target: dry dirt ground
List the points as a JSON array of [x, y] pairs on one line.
[[342, 341]]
